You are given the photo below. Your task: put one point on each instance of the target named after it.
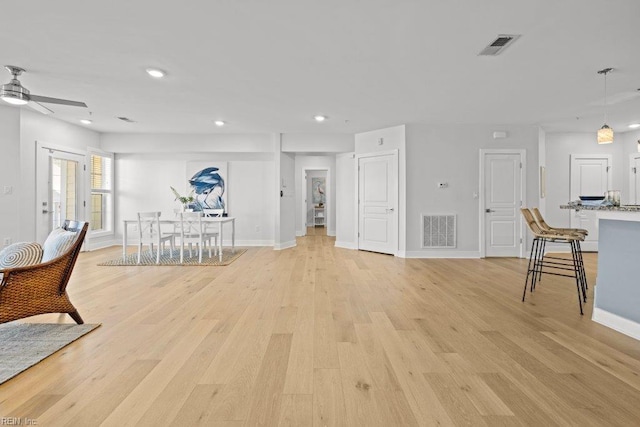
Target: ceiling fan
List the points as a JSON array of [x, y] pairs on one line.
[[14, 93]]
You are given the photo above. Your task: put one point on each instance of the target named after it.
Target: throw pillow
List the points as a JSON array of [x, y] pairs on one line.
[[20, 254], [58, 242]]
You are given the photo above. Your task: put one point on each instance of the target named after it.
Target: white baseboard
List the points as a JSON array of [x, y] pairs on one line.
[[613, 321], [346, 245], [439, 254], [284, 245]]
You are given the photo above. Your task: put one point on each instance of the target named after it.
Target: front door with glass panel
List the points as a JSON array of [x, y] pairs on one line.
[[59, 190]]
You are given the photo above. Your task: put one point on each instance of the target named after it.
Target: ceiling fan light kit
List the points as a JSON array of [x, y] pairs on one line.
[[13, 92], [16, 94], [605, 133]]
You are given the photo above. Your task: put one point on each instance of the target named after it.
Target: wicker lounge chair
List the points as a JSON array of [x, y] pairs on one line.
[[41, 288]]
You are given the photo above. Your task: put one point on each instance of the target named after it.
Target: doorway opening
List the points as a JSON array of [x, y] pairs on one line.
[[315, 199]]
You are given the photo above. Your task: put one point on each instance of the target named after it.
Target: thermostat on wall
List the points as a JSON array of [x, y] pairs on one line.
[[499, 134]]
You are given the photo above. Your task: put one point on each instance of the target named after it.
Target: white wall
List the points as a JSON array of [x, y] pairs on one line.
[[191, 143], [10, 180], [143, 180], [346, 201], [287, 234], [440, 153], [558, 148], [629, 141], [317, 143], [302, 163], [393, 138], [47, 130]]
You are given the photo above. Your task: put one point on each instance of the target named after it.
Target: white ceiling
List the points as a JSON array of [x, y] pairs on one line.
[[269, 66]]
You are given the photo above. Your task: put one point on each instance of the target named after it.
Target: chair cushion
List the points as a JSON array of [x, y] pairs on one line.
[[58, 242], [20, 254]]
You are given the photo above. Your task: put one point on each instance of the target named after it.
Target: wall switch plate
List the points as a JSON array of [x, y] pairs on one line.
[[8, 189], [7, 241]]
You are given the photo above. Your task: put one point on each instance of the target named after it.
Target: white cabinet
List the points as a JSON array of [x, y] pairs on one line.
[[318, 217]]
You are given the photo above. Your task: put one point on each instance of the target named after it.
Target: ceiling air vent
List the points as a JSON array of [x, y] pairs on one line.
[[499, 44], [126, 119]]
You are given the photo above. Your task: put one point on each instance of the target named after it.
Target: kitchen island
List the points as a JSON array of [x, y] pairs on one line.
[[616, 299]]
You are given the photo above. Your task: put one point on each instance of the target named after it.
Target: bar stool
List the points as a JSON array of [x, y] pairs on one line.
[[579, 232], [540, 264]]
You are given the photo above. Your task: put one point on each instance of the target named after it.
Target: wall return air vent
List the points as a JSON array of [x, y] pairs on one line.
[[438, 231], [497, 46]]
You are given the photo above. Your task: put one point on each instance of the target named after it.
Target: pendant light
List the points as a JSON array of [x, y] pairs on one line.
[[605, 133]]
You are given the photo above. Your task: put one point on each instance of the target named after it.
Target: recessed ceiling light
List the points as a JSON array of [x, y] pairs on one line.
[[219, 123], [320, 118], [155, 72], [86, 121], [634, 126]]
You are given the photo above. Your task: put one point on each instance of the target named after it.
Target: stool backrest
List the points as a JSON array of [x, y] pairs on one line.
[[531, 222]]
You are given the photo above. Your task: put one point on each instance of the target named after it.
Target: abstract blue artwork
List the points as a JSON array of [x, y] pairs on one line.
[[208, 184]]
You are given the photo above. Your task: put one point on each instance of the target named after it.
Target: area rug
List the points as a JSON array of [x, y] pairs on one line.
[[165, 259], [22, 345]]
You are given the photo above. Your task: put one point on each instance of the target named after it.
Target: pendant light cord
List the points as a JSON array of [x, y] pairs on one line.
[[605, 97], [605, 72]]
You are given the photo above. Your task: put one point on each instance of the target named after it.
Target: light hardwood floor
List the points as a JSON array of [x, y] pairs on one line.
[[316, 335]]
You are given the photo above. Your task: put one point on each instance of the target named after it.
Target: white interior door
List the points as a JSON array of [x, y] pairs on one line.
[[590, 176], [634, 179], [502, 201], [59, 189], [378, 203]]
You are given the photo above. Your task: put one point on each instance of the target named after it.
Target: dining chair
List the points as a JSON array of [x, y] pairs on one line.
[[150, 233], [213, 213], [193, 231]]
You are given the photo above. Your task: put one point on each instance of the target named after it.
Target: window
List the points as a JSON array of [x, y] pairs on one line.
[[101, 201]]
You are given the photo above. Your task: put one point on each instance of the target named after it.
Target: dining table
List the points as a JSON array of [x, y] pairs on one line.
[[219, 220]]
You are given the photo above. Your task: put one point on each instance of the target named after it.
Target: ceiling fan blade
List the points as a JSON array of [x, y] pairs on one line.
[[39, 107], [48, 100]]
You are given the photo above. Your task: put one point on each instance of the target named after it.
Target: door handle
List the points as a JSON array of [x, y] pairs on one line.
[[489, 210], [44, 211]]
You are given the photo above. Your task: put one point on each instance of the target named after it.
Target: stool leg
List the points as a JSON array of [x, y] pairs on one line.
[[534, 246], [582, 270], [537, 277], [576, 267]]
